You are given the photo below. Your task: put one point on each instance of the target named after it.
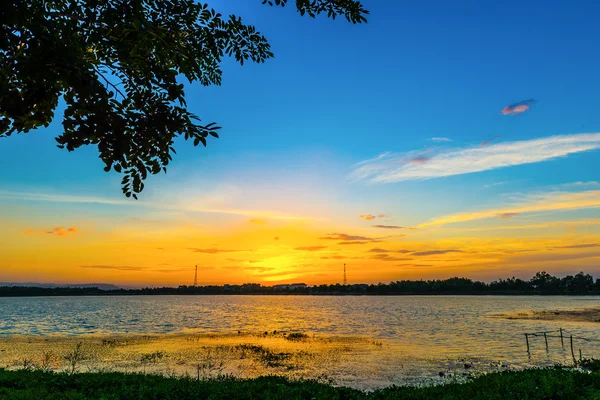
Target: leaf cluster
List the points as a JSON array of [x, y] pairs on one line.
[[119, 67]]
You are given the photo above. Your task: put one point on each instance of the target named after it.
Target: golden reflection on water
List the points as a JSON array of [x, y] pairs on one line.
[[350, 361], [362, 342]]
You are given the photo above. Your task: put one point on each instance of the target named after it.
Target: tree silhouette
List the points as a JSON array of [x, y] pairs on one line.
[[568, 285], [117, 65]]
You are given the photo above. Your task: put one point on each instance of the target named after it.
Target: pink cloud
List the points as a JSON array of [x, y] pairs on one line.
[[507, 215], [419, 160], [371, 217], [487, 142]]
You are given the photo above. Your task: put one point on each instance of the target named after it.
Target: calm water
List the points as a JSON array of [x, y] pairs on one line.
[[440, 325]]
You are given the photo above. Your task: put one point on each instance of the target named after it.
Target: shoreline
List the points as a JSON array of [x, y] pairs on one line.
[[333, 294], [584, 314]]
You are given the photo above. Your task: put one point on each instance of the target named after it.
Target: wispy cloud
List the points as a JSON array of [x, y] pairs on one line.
[[62, 198], [248, 213], [387, 257], [382, 253], [371, 217], [334, 258], [310, 248], [439, 139], [357, 239], [417, 160], [553, 201], [578, 246], [259, 270], [214, 250], [58, 231], [581, 185], [75, 199], [489, 185], [344, 236], [507, 215], [391, 227], [390, 167], [549, 257], [178, 270], [414, 265], [434, 252], [113, 267], [568, 225], [487, 142]]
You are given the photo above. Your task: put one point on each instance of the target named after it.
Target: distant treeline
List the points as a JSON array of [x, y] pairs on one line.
[[541, 283]]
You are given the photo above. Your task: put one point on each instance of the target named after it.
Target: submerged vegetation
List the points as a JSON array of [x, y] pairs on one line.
[[540, 283], [296, 337], [557, 383]]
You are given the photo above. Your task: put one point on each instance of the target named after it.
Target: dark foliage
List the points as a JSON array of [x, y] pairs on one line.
[[529, 384], [542, 283], [118, 66], [589, 364]]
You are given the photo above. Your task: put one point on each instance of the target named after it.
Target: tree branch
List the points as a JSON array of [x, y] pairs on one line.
[[109, 83]]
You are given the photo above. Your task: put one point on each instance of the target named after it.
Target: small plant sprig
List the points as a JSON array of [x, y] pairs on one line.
[[75, 357]]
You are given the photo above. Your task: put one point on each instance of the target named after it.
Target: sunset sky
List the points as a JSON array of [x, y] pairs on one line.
[[381, 146]]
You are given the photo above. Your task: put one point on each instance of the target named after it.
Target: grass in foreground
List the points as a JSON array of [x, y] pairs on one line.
[[530, 384]]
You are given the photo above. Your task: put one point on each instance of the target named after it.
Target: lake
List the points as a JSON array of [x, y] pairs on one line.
[[433, 331]]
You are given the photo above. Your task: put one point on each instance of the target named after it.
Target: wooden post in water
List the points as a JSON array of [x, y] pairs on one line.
[[546, 339], [561, 338], [580, 355], [527, 341], [572, 352]]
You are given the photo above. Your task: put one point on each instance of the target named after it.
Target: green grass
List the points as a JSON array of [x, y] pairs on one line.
[[537, 384]]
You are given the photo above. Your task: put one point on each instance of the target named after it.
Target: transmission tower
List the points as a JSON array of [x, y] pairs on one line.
[[345, 280], [196, 276]]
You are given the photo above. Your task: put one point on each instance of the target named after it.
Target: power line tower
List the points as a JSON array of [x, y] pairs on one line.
[[196, 276], [345, 280]]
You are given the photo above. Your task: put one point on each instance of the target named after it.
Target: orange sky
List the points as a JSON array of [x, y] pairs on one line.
[[163, 247]]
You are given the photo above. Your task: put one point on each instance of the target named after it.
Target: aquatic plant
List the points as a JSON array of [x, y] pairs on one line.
[[27, 363], [263, 354], [74, 357], [209, 366], [48, 360], [296, 337], [109, 342], [152, 357]]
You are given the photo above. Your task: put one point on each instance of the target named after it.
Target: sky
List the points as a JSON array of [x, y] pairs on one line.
[[379, 146]]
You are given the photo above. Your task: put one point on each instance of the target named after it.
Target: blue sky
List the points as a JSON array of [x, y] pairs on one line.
[[349, 92], [338, 94]]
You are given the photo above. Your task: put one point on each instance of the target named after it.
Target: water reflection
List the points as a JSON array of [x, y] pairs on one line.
[[440, 329]]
